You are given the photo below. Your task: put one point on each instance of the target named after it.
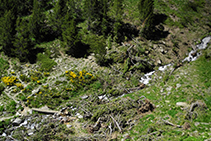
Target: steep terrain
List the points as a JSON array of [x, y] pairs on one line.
[[60, 97]]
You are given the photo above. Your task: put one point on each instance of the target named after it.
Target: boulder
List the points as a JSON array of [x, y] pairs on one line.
[[17, 121]]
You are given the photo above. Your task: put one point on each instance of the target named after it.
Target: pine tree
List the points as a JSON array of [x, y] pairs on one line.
[[57, 16], [118, 12], [104, 19], [98, 47], [22, 43], [70, 36], [7, 31], [146, 8], [93, 13], [36, 23]]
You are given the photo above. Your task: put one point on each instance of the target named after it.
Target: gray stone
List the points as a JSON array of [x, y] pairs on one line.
[[17, 121], [178, 85], [168, 89], [84, 97], [182, 104], [30, 132], [158, 62], [69, 126], [196, 123]]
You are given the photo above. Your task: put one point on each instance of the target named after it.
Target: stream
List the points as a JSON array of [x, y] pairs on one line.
[[192, 56]]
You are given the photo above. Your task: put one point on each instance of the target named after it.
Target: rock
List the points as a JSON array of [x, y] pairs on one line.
[[155, 46], [146, 52], [17, 121], [186, 126], [178, 85], [79, 115], [161, 50], [168, 89], [183, 104], [196, 123], [30, 132], [158, 62], [69, 126], [84, 97]]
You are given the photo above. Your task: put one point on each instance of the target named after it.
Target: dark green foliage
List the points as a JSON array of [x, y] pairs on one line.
[[1, 87], [57, 16], [37, 25], [95, 11], [70, 36], [117, 11], [7, 32], [146, 8], [98, 47], [22, 43], [46, 63], [3, 125], [11, 107], [4, 65]]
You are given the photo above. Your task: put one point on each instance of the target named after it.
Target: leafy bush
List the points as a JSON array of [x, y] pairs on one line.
[[11, 107], [46, 63], [4, 65], [1, 87]]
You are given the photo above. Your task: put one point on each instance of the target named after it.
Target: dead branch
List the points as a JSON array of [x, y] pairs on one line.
[[97, 123], [110, 129], [117, 124], [45, 111], [169, 123]]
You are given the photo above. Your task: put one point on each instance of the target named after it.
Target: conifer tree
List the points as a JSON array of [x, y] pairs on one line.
[[57, 16], [93, 14], [104, 20], [7, 31], [146, 8], [70, 36], [36, 23], [22, 43], [118, 12]]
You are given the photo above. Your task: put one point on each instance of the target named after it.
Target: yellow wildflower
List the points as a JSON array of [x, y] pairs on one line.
[[73, 74], [66, 71]]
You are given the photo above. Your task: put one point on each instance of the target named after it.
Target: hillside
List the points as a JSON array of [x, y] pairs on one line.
[[133, 80]]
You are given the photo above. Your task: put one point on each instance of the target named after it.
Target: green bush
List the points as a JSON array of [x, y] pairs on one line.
[[46, 63], [11, 107], [1, 87], [2, 108], [4, 65]]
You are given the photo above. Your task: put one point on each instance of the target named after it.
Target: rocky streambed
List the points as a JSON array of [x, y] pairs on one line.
[[192, 56]]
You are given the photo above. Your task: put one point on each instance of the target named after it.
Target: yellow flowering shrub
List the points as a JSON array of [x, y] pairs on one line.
[[34, 78], [79, 79], [19, 85], [9, 80], [46, 73]]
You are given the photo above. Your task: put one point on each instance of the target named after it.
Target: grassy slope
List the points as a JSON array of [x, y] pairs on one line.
[[195, 86], [194, 78]]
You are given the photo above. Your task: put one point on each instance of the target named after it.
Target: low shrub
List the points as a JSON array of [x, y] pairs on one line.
[[46, 63]]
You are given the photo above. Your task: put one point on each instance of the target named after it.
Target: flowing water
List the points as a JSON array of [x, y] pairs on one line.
[[192, 56]]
